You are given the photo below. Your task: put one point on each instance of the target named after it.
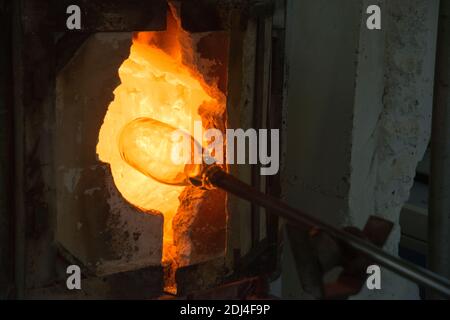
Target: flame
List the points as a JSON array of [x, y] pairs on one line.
[[159, 81]]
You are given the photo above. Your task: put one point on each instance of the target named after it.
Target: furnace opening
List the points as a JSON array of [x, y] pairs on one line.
[[171, 76]]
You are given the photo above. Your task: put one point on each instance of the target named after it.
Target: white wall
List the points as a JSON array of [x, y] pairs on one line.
[[358, 114]]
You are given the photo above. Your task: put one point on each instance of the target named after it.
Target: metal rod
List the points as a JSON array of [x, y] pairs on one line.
[[223, 180], [439, 204], [6, 194], [19, 196]]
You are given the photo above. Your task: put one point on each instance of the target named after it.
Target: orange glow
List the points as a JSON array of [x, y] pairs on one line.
[[146, 145], [159, 81]]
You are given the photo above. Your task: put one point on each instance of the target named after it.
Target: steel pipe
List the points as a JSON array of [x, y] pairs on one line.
[[219, 178], [439, 203]]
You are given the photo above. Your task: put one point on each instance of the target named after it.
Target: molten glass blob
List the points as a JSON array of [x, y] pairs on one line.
[[159, 151]]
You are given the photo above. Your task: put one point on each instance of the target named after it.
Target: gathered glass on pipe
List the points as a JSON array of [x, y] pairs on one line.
[[148, 145]]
